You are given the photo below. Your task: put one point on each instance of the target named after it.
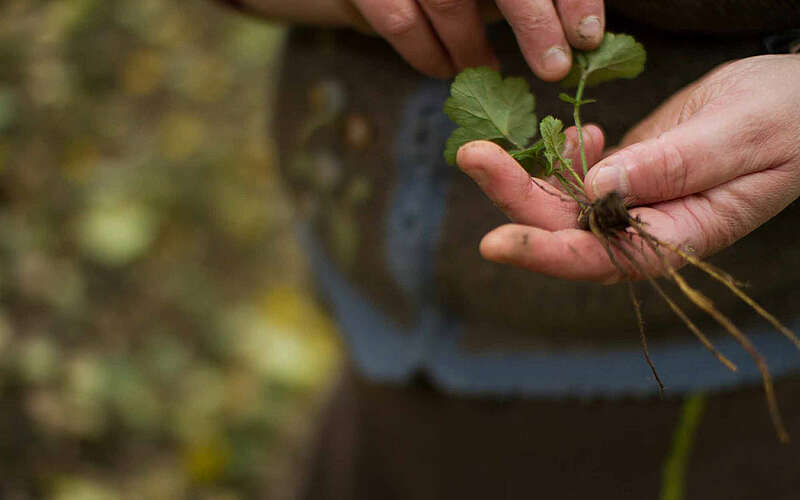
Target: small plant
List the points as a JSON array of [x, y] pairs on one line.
[[488, 107]]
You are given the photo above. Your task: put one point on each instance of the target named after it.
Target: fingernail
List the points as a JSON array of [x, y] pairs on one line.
[[555, 60], [590, 30], [610, 179]]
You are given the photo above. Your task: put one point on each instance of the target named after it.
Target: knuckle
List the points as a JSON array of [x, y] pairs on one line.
[[701, 95], [741, 212], [398, 22], [721, 233], [697, 221], [693, 104], [715, 226], [579, 6], [535, 20], [672, 174]]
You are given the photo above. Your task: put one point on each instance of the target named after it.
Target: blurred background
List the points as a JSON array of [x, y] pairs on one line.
[[157, 335]]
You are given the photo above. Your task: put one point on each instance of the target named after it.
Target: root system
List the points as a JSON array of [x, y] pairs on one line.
[[610, 221]]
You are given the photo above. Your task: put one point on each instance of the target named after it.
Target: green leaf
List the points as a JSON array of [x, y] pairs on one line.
[[487, 107], [573, 77], [618, 56], [532, 158], [554, 139], [535, 150], [566, 98]]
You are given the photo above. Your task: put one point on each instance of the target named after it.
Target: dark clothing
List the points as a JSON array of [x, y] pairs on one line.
[[404, 443]]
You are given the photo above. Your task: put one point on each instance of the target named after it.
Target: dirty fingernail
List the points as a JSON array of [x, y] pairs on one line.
[[610, 179], [555, 60], [590, 30]]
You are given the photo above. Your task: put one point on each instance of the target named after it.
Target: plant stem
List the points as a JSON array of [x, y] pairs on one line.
[[577, 177], [568, 187], [565, 165], [576, 114]]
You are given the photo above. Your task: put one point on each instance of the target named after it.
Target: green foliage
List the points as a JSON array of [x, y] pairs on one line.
[[487, 107], [531, 158], [618, 56], [554, 139]]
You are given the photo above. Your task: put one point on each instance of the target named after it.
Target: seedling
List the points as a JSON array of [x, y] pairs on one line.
[[488, 107]]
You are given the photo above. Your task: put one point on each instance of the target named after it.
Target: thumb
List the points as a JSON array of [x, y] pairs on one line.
[[696, 155]]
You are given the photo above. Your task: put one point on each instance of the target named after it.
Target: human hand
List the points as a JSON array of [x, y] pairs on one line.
[[714, 162], [442, 37]]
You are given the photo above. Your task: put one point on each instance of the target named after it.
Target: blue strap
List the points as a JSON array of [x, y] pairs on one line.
[[385, 352]]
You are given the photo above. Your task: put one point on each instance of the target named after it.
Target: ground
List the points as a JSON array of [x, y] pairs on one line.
[[157, 337]]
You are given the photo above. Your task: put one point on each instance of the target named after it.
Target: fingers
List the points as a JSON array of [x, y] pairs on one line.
[[716, 218], [440, 37], [699, 224], [518, 195], [437, 37], [713, 168], [569, 253], [460, 27], [523, 199], [583, 22], [579, 255], [540, 36], [404, 25], [697, 155]]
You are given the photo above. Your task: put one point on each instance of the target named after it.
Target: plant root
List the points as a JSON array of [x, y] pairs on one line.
[[707, 305], [637, 308], [635, 301], [728, 280], [605, 236], [678, 311], [609, 220]]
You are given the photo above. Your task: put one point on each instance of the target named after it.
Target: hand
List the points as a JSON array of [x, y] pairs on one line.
[[441, 37], [713, 163]]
